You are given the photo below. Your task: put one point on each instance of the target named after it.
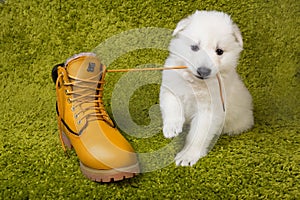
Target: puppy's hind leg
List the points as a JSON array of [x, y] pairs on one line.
[[172, 113]]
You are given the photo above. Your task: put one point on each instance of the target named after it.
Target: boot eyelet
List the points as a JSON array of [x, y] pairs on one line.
[[58, 84], [66, 92], [72, 108], [69, 100], [76, 116], [79, 122]]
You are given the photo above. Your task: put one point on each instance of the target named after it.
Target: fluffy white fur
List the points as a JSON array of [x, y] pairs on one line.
[[185, 96]]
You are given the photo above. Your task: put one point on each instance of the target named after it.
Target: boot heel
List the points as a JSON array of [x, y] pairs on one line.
[[66, 140]]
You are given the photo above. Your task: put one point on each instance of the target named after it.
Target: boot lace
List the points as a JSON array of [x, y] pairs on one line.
[[88, 98], [86, 94]]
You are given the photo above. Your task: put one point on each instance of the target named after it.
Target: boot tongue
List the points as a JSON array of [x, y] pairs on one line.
[[84, 66]]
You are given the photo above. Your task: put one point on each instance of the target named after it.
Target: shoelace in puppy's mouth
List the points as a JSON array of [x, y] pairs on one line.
[[170, 68]]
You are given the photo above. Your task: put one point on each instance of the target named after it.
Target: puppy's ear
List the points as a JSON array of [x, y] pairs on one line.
[[181, 25], [237, 34]]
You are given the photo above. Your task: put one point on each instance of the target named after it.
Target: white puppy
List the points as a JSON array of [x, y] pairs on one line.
[[209, 44]]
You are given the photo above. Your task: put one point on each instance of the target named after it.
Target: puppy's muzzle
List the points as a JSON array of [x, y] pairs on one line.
[[203, 72]]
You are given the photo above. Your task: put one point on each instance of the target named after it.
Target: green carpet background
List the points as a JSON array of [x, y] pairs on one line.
[[262, 163]]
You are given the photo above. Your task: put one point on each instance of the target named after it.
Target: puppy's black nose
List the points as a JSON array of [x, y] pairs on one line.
[[203, 72]]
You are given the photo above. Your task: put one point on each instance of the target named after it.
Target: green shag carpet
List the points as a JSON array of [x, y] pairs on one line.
[[262, 163]]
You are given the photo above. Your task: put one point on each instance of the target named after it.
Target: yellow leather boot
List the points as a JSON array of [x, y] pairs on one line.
[[104, 154]]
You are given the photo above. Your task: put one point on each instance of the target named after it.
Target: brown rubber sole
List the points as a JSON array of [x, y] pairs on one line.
[[109, 175]]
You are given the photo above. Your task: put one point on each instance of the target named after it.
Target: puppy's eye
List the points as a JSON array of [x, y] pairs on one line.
[[219, 52], [195, 47]]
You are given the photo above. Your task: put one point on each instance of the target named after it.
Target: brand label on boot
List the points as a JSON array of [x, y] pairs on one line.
[[91, 67]]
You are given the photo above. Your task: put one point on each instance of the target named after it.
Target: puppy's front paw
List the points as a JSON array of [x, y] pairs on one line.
[[189, 156], [172, 129]]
